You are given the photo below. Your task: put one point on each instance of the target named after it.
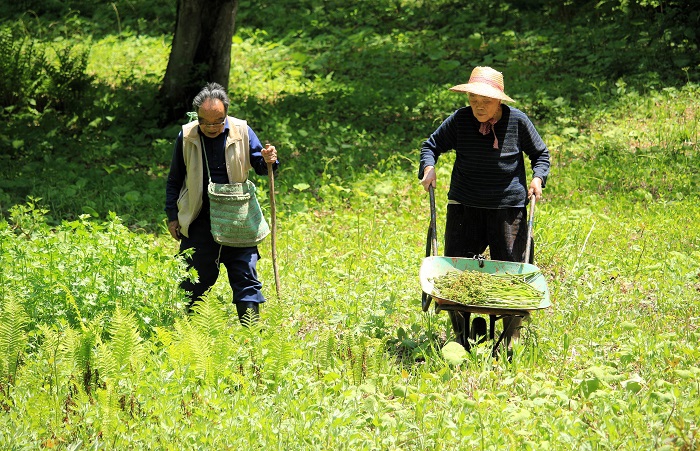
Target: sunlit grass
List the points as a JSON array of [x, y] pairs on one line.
[[345, 358], [119, 59]]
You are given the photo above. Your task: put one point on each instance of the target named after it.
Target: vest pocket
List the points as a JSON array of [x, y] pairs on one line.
[[183, 199]]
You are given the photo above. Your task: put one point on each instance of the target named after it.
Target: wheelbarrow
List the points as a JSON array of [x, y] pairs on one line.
[[434, 266]]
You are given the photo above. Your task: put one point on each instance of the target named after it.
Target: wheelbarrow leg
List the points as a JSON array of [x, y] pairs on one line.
[[511, 330], [460, 326], [492, 326]]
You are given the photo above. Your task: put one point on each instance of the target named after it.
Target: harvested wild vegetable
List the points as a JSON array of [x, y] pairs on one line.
[[488, 290]]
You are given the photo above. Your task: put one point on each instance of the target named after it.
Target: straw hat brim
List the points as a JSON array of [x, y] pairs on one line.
[[482, 89]]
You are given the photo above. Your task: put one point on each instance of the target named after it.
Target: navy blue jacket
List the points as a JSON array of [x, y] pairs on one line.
[[482, 176]]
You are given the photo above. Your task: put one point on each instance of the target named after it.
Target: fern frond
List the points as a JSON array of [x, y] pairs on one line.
[[106, 364], [357, 363], [108, 406], [210, 316], [13, 338], [376, 357], [71, 300], [163, 335], [192, 348], [278, 358], [126, 344], [251, 321], [84, 348], [325, 351]]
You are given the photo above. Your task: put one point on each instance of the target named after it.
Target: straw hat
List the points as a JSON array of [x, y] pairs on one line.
[[484, 81]]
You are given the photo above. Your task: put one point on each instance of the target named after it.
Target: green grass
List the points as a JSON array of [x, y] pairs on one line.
[[345, 358], [95, 349]]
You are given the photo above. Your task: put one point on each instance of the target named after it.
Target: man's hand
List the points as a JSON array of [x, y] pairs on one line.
[[429, 177], [269, 153], [174, 229]]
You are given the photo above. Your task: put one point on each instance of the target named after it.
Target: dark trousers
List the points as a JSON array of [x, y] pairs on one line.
[[469, 231], [240, 263]]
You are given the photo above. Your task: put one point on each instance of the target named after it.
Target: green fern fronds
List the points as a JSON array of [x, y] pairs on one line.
[[210, 316], [325, 351], [357, 363], [71, 300], [363, 357], [192, 349], [107, 404], [125, 351], [251, 321], [85, 347], [13, 338], [76, 351], [163, 336], [278, 359], [106, 364], [376, 357]]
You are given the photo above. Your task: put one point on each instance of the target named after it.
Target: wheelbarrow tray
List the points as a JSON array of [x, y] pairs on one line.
[[435, 266]]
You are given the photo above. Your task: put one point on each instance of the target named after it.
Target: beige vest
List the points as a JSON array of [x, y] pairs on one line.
[[189, 203]]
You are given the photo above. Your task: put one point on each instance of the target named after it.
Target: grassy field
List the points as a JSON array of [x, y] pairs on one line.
[[95, 349]]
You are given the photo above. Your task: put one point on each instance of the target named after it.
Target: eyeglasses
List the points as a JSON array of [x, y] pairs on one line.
[[205, 125]]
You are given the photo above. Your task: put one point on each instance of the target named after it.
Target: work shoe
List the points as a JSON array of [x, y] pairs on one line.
[[248, 312], [477, 332]]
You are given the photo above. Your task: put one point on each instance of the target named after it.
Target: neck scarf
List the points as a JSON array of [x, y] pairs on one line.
[[487, 127]]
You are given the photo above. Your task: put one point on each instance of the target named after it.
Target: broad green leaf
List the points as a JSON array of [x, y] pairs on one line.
[[454, 353]]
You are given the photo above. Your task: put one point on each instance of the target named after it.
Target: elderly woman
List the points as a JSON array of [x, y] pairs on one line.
[[489, 191]]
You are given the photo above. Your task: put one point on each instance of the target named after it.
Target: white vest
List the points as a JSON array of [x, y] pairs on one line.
[[189, 203]]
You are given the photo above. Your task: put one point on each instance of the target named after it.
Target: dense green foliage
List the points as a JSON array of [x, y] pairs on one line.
[[95, 349]]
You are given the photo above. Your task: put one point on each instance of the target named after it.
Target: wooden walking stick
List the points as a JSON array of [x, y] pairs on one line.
[[273, 216]]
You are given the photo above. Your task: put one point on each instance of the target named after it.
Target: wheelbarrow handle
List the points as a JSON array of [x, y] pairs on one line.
[[431, 243], [530, 221], [433, 222]]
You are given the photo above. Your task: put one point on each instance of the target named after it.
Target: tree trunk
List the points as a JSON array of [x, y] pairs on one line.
[[200, 53]]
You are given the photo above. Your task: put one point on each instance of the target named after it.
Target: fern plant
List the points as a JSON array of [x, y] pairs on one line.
[[201, 343], [123, 355], [13, 341], [361, 357], [57, 353], [277, 359]]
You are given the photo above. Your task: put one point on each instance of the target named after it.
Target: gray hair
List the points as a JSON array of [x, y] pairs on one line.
[[211, 91]]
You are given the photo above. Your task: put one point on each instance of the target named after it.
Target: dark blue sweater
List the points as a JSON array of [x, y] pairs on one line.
[[482, 176]]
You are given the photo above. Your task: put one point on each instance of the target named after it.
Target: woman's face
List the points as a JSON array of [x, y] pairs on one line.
[[211, 116], [484, 108]]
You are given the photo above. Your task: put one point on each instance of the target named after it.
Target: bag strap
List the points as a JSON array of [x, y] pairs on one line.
[[206, 161], [243, 130]]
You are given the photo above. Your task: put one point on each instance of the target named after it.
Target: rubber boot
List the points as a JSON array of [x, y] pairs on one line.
[[512, 325], [477, 333], [244, 317]]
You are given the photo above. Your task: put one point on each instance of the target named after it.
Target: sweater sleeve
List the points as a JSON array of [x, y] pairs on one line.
[[536, 150], [256, 159], [440, 141]]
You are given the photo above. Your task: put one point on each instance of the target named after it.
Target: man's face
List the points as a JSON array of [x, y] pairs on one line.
[[484, 108], [211, 116]]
